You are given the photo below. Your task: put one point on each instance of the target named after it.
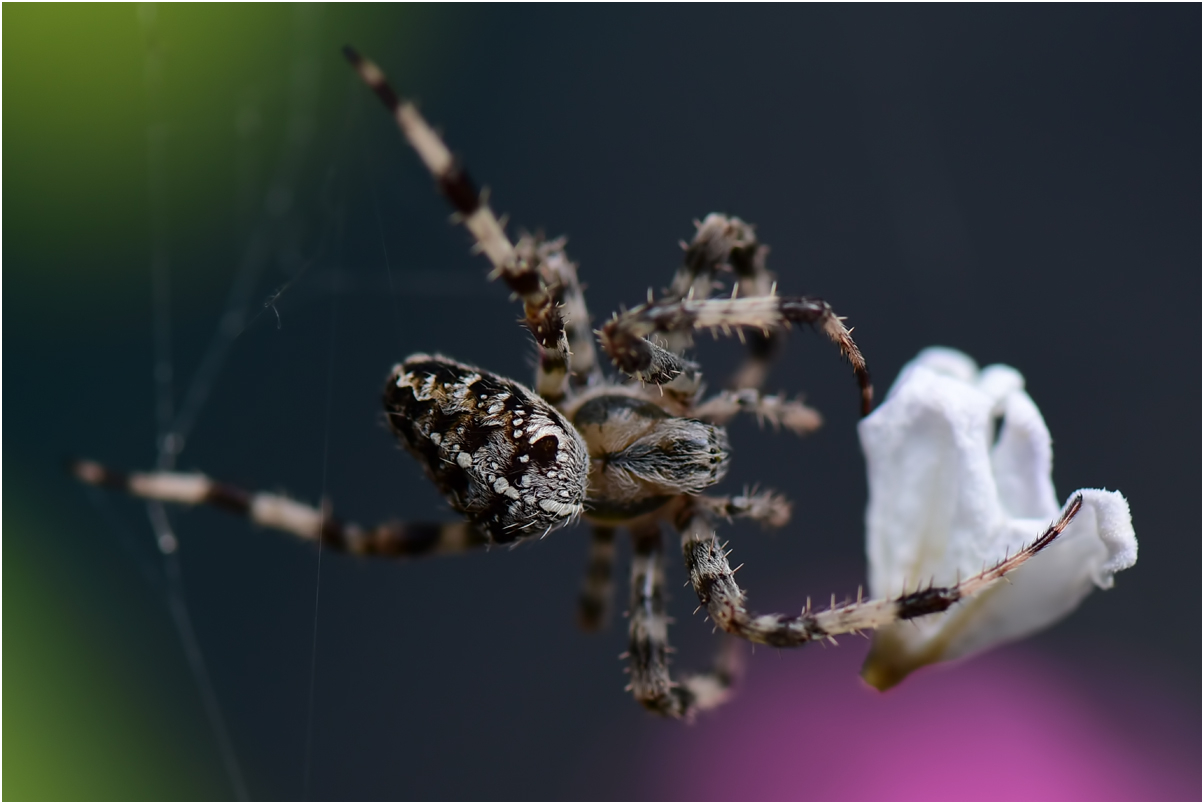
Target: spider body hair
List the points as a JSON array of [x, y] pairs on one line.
[[641, 456]]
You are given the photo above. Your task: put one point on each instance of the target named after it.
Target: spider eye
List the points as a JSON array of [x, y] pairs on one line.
[[543, 451]]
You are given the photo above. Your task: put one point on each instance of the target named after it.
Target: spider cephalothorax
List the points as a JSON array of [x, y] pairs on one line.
[[641, 456], [636, 451]]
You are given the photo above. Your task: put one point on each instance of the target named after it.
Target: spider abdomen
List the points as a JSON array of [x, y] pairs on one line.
[[498, 453]]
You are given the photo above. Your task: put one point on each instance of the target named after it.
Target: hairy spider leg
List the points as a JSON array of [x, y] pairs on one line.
[[777, 410], [278, 512], [727, 245], [597, 592], [747, 258], [767, 508], [560, 276], [648, 642], [755, 279], [624, 336], [713, 581], [518, 266]]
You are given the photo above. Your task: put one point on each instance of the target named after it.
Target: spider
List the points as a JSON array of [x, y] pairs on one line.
[[634, 451]]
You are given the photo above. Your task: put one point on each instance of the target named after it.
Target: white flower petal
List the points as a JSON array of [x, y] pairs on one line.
[[1022, 460], [945, 502]]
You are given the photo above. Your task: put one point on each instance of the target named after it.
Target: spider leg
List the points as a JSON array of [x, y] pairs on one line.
[[286, 514], [597, 593], [770, 509], [777, 410], [728, 245], [520, 267], [560, 275], [648, 637], [712, 578], [624, 337]]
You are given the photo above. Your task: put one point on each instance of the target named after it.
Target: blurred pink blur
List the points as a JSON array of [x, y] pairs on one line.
[[1011, 725]]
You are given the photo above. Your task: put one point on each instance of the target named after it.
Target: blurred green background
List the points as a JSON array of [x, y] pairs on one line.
[[86, 716], [1018, 182]]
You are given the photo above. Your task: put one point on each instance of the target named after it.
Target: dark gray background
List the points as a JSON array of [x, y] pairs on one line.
[[1020, 182]]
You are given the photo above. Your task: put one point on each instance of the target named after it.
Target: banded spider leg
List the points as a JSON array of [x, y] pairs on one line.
[[648, 642], [536, 270], [282, 513], [729, 245], [624, 337], [713, 580]]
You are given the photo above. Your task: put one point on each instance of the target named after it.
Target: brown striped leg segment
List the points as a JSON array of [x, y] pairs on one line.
[[561, 275], [708, 261], [575, 366], [518, 267], [724, 245], [755, 279], [719, 245], [275, 511], [648, 643], [770, 509], [777, 410], [624, 337], [713, 580], [597, 593]]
